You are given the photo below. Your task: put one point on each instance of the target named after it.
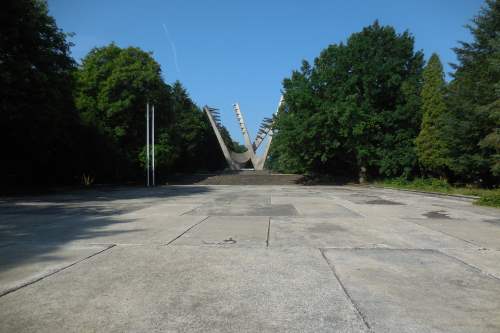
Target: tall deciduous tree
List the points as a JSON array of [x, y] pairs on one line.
[[113, 87], [357, 108], [432, 147], [38, 119]]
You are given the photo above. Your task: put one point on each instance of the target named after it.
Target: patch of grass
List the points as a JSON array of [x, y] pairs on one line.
[[487, 197]]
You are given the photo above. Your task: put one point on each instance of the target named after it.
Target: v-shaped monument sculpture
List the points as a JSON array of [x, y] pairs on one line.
[[237, 161]]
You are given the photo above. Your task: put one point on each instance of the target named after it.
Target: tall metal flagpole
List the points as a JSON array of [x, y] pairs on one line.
[[153, 144], [147, 142]]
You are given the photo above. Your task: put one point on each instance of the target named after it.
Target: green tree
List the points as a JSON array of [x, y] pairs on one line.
[[113, 87], [197, 145], [432, 149], [356, 109], [473, 100], [38, 124], [491, 142]]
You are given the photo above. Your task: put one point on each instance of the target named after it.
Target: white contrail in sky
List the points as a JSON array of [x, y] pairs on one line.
[[172, 45]]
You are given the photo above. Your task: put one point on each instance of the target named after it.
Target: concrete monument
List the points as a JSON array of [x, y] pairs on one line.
[[236, 161]]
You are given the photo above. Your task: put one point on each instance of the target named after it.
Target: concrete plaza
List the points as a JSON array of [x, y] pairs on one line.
[[248, 259]]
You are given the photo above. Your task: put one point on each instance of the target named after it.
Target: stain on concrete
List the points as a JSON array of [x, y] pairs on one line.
[[492, 221], [366, 199], [437, 214], [383, 202], [245, 210], [323, 228], [228, 241]]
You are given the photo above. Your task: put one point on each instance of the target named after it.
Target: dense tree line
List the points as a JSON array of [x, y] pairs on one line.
[[113, 86], [370, 108], [38, 119], [61, 120]]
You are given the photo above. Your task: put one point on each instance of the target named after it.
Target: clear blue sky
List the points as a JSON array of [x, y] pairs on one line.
[[225, 51]]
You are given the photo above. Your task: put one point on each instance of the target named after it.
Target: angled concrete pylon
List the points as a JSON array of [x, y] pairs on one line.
[[246, 136], [234, 162], [237, 160], [266, 129]]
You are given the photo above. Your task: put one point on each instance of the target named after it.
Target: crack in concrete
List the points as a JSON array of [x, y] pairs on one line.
[[229, 241], [477, 269], [444, 233], [185, 231], [348, 296], [11, 290], [268, 232]]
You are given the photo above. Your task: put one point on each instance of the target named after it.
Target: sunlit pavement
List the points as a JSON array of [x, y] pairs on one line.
[[248, 259]]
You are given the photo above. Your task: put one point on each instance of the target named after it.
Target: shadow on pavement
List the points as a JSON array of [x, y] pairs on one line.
[[35, 229]]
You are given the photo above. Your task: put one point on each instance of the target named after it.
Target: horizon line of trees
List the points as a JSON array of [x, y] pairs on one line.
[[371, 108]]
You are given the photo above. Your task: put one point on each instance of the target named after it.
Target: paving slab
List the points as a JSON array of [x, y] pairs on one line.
[[234, 231], [324, 232], [127, 229], [324, 210], [23, 264], [416, 206], [357, 233], [165, 209], [484, 234], [486, 260], [314, 206], [186, 289], [154, 229], [245, 210], [417, 291], [247, 258], [244, 197]]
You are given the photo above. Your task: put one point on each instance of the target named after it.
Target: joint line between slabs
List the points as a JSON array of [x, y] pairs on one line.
[[55, 272], [353, 303], [268, 231], [442, 232], [477, 269], [185, 231]]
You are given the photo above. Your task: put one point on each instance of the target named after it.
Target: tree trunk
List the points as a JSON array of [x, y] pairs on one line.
[[362, 175]]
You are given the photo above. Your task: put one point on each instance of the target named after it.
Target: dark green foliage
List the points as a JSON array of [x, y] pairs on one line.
[[474, 120], [360, 106], [357, 111], [432, 149], [113, 87], [194, 137], [59, 121], [491, 142], [38, 122], [357, 108], [487, 197]]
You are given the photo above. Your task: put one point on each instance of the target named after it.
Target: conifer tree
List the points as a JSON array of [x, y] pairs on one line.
[[473, 101], [432, 150]]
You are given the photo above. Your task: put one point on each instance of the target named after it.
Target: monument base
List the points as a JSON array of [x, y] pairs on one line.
[[237, 177]]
